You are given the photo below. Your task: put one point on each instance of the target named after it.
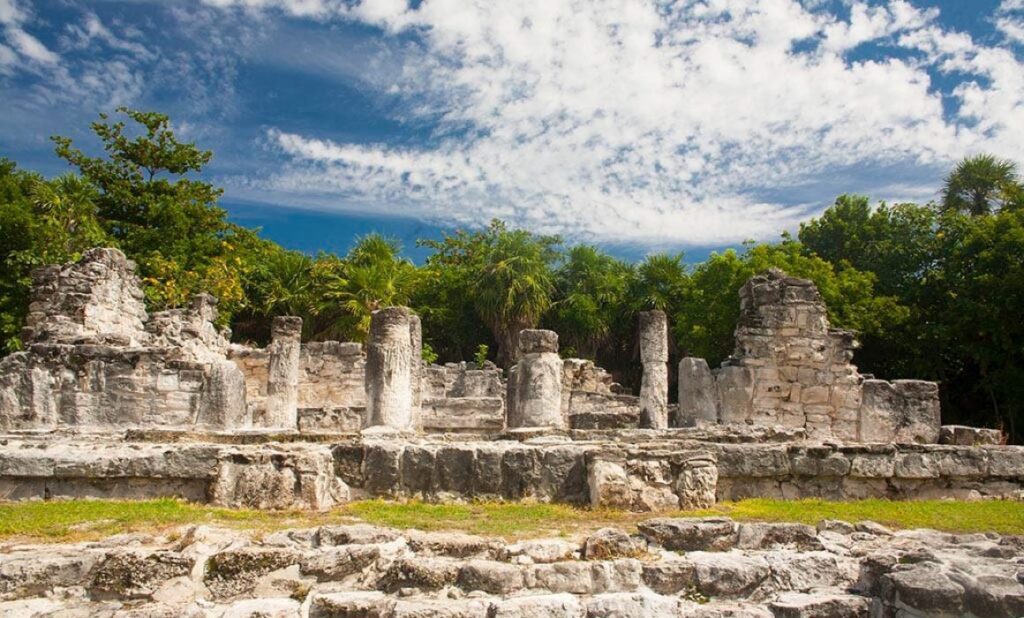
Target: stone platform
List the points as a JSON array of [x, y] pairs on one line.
[[643, 470], [708, 568]]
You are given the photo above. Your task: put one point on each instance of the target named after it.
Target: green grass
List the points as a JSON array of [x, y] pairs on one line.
[[1003, 516], [76, 520]]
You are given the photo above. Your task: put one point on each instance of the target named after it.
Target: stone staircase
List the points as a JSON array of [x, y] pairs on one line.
[[711, 567]]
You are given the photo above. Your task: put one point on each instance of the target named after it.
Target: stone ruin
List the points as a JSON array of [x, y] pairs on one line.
[[699, 568], [107, 400]]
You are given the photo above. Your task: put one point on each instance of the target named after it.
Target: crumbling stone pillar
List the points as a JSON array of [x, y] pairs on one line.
[[537, 382], [416, 341], [389, 370], [654, 356], [283, 372], [698, 397]]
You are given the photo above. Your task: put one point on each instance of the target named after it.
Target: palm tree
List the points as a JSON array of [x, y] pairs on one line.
[[515, 287], [980, 184], [591, 286], [372, 276], [660, 281]]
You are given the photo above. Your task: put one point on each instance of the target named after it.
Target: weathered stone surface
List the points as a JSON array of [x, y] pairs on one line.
[[961, 435], [697, 400], [800, 605], [372, 571], [609, 485], [463, 414], [538, 382], [653, 337], [389, 370], [654, 396], [490, 577], [612, 543], [691, 534], [776, 536], [548, 605], [371, 604], [729, 574], [98, 298], [278, 478], [222, 404], [697, 481], [904, 411]]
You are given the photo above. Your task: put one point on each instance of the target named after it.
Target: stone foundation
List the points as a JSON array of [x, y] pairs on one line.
[[670, 472]]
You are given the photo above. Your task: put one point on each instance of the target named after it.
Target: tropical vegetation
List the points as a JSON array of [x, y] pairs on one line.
[[934, 290]]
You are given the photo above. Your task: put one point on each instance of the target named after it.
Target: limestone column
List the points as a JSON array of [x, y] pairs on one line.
[[389, 369], [654, 356], [283, 372], [538, 382], [698, 396], [416, 341]]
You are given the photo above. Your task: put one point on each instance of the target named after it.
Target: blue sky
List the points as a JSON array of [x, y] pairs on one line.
[[634, 125]]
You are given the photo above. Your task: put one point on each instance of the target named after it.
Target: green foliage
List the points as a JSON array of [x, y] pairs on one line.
[[505, 277], [592, 288], [41, 222], [480, 358], [428, 354], [82, 520], [166, 221], [372, 276], [981, 185], [933, 292]]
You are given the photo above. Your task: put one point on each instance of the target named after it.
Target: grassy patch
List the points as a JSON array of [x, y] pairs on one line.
[[1003, 516], [75, 520]]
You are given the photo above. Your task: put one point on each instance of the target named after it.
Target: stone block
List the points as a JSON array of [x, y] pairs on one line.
[[735, 393], [698, 397], [533, 341], [609, 486], [463, 414], [961, 435]]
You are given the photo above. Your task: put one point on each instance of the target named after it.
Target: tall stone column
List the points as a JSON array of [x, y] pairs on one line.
[[537, 382], [416, 341], [389, 370], [654, 356], [283, 372]]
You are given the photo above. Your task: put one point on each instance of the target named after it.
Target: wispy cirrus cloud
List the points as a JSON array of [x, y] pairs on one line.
[[623, 120]]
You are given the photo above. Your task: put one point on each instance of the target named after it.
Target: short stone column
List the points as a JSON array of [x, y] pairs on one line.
[[283, 372], [654, 356], [698, 395], [389, 371], [537, 382]]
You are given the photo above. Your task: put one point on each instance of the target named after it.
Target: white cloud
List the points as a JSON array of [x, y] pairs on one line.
[[1010, 20], [21, 46], [633, 121]]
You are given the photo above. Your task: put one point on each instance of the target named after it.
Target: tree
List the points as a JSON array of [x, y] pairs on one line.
[[41, 222], [896, 243], [515, 286], [591, 290], [504, 276], [980, 185], [165, 220], [372, 276]]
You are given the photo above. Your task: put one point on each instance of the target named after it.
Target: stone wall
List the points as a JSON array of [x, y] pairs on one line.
[[94, 362], [97, 299], [791, 369]]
